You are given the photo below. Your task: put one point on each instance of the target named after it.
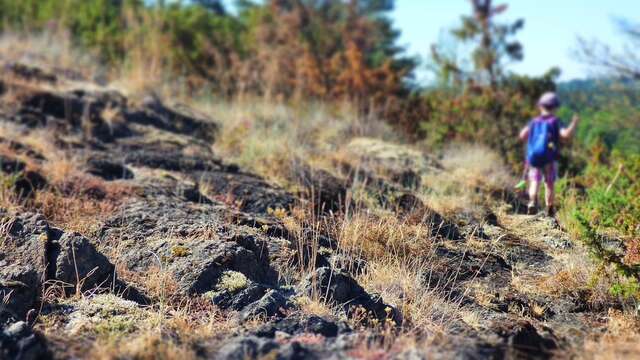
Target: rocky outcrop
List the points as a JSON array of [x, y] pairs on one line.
[[218, 232], [24, 182], [36, 254], [339, 288], [18, 341], [523, 341], [326, 192], [108, 169], [194, 242], [104, 115], [400, 164]]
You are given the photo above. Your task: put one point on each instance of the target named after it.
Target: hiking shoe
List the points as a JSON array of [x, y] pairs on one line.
[[532, 209], [550, 211]]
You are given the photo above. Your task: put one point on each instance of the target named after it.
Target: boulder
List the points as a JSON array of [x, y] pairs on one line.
[[273, 303], [19, 284], [79, 263], [294, 325], [195, 242], [108, 170], [18, 341], [327, 192], [249, 347], [35, 252], [522, 340], [339, 288]]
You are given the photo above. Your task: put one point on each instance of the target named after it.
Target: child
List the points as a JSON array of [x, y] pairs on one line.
[[543, 136]]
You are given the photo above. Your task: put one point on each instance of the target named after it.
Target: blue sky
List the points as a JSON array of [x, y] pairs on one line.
[[549, 35]]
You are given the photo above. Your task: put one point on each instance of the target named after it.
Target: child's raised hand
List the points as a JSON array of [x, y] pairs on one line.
[[576, 118]]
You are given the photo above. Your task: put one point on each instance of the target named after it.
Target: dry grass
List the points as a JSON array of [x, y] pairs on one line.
[[52, 49], [469, 168], [148, 346], [620, 341], [268, 138], [476, 165], [374, 237], [314, 306], [402, 284]]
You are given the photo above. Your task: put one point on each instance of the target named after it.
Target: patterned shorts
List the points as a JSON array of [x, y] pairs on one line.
[[548, 172]]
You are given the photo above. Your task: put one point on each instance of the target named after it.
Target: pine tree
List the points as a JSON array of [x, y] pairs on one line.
[[493, 42]]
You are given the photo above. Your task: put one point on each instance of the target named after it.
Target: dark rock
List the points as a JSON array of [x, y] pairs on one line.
[[154, 113], [18, 341], [468, 265], [298, 325], [414, 209], [351, 263], [252, 193], [523, 252], [273, 303], [28, 183], [408, 203], [35, 252], [192, 193], [327, 192], [240, 299], [295, 351], [172, 160], [22, 149], [23, 260], [79, 263], [108, 170], [249, 347], [77, 111], [140, 230], [10, 165], [30, 73], [25, 181], [407, 178], [524, 342], [338, 287], [19, 285], [318, 238]]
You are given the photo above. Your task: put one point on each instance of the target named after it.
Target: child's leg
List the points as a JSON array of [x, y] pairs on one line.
[[535, 176], [550, 175], [548, 193], [533, 192]]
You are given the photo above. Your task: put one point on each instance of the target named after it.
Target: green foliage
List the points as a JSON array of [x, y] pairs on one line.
[[487, 115], [613, 194], [626, 290], [95, 23], [605, 211], [281, 48]]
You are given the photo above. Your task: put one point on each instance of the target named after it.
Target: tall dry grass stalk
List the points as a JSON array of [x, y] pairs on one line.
[[51, 49], [270, 137], [148, 63]]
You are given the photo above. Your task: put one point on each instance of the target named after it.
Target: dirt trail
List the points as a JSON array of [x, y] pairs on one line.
[[544, 262]]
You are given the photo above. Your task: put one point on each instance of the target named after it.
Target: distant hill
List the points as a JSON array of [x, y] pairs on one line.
[[599, 93]]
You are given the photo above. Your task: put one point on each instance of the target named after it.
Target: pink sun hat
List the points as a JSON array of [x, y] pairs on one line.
[[549, 100]]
